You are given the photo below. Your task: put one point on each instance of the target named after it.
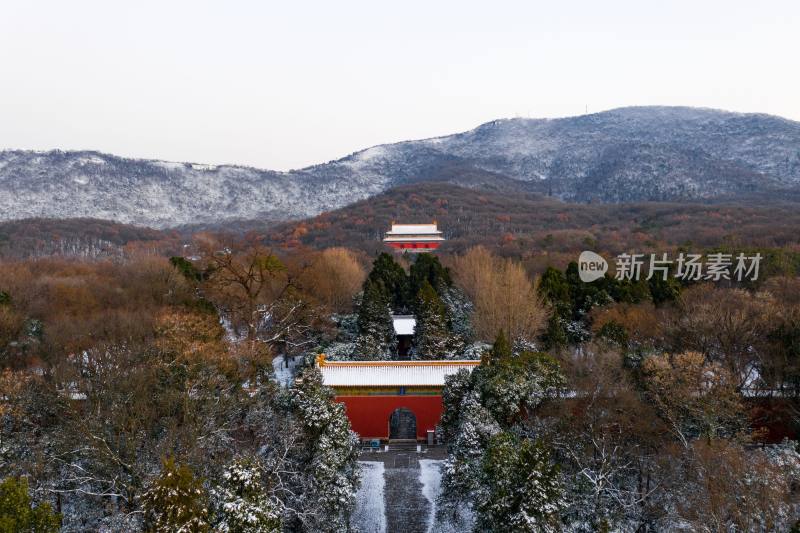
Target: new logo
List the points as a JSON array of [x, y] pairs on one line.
[[591, 266]]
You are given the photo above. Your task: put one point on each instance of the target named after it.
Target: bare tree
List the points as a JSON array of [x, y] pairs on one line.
[[503, 295]]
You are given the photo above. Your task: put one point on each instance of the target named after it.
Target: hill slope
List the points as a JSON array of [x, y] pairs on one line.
[[624, 155]]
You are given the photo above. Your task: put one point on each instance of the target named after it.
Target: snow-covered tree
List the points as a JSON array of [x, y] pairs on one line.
[[328, 461], [461, 472], [499, 396], [459, 309], [432, 337], [512, 388], [176, 501], [520, 488], [376, 339], [243, 502]]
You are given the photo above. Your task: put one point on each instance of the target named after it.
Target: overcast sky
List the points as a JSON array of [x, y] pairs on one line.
[[286, 84]]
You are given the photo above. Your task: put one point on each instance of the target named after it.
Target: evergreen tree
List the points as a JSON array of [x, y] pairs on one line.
[[243, 502], [187, 268], [427, 267], [553, 287], [392, 279], [432, 338], [461, 478], [176, 501], [664, 290], [376, 339], [555, 290], [457, 387], [328, 459], [501, 349], [513, 387], [521, 488], [459, 310], [555, 335], [18, 514]]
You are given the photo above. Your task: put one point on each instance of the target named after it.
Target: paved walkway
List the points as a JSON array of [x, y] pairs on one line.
[[407, 503]]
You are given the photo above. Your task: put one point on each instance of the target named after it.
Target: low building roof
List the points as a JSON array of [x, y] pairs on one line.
[[389, 373], [404, 324], [414, 229]]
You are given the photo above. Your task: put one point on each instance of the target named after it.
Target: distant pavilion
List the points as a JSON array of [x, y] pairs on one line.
[[414, 238]]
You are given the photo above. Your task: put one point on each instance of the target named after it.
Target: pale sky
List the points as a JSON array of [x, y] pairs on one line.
[[287, 84]]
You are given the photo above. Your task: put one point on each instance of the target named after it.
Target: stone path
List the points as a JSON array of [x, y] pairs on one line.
[[405, 505]]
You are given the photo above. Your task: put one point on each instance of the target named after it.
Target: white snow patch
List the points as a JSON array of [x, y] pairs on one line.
[[284, 374], [200, 166], [81, 180], [404, 324], [233, 336], [369, 515], [372, 153], [430, 475], [91, 160], [169, 165]]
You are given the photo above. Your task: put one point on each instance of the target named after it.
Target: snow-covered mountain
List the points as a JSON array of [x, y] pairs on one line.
[[628, 154]]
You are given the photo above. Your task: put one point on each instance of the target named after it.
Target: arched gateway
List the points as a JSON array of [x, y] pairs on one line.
[[402, 424], [382, 398]]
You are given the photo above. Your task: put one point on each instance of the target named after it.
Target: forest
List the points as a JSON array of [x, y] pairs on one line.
[[139, 392]]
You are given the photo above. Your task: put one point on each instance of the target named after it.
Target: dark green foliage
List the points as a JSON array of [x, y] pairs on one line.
[[625, 291], [427, 267], [501, 349], [5, 298], [664, 290], [376, 338], [553, 287], [522, 490], [457, 386], [432, 338], [392, 279], [614, 332], [177, 501], [186, 268], [17, 514], [785, 368], [555, 335]]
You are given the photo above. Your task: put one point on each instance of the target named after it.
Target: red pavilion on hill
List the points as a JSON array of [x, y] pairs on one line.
[[414, 237]]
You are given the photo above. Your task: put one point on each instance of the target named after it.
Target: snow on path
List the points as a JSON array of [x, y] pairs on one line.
[[430, 475], [370, 512]]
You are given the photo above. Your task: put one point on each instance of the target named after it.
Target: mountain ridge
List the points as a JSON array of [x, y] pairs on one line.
[[630, 154]]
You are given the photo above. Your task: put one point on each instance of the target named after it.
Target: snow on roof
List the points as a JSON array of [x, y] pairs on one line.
[[389, 373], [404, 324], [414, 229]]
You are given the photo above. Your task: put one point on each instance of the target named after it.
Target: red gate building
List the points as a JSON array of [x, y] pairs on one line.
[[390, 399]]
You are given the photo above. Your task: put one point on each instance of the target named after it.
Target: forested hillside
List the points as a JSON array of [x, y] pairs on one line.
[[146, 393]]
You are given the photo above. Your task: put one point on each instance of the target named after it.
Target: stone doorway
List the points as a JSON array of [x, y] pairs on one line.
[[402, 424]]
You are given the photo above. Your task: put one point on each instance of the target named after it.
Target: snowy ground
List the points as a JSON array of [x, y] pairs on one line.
[[398, 493], [370, 513], [284, 374], [430, 476]]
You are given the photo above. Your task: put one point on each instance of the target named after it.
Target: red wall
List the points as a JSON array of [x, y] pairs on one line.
[[369, 415]]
